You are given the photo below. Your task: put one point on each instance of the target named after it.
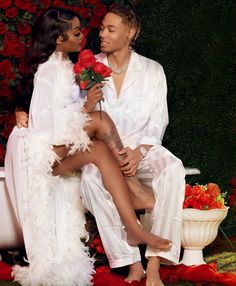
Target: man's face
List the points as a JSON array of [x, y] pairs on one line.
[[113, 34]]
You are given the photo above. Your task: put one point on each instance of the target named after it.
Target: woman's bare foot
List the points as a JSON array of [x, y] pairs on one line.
[[136, 272], [152, 272], [142, 196], [137, 235]]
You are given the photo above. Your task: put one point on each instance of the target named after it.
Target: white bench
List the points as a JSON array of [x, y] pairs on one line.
[[10, 233]]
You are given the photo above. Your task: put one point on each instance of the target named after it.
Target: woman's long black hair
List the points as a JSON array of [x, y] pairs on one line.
[[49, 25]]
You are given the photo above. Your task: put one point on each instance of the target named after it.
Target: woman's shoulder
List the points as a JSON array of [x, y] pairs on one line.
[[52, 68]]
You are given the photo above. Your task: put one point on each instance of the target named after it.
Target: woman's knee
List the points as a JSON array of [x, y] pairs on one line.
[[100, 116]]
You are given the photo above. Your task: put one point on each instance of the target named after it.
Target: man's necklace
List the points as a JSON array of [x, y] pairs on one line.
[[119, 70]]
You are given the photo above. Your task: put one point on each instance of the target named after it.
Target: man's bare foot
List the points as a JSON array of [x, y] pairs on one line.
[[136, 272], [142, 196], [137, 235], [152, 272]]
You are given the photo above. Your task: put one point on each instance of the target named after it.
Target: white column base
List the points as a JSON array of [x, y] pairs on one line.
[[192, 257]]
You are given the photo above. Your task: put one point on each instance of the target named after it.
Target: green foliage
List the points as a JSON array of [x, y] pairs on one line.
[[193, 40]]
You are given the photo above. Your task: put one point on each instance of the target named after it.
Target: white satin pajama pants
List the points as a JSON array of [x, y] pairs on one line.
[[165, 174]]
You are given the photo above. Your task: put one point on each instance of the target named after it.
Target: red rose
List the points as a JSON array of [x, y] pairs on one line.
[[95, 22], [12, 12], [4, 88], [197, 205], [100, 10], [59, 3], [218, 205], [5, 67], [83, 11], [11, 76], [86, 59], [3, 28], [94, 2], [188, 203], [46, 3], [78, 69], [213, 189], [83, 84], [102, 69], [27, 5], [2, 152], [188, 190], [100, 249], [205, 199], [10, 38], [15, 49], [22, 67], [4, 4], [196, 190], [23, 28]]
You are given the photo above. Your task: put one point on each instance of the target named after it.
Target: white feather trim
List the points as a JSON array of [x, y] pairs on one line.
[[54, 214]]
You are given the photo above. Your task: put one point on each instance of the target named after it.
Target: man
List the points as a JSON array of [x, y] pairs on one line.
[[135, 98]]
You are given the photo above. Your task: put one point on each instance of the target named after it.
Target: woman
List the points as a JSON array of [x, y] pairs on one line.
[[57, 143]]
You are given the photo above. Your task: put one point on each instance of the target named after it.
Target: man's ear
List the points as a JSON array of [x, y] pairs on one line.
[[131, 33], [59, 40]]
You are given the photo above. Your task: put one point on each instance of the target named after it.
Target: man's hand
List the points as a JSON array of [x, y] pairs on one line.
[[131, 162], [21, 119], [94, 95]]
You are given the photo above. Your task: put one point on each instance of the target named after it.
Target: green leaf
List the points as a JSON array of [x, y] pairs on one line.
[[12, 28]]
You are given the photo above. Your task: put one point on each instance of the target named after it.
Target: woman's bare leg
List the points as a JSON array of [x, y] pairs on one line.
[[104, 129], [114, 182]]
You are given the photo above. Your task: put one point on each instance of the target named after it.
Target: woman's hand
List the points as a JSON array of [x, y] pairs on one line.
[[131, 162], [21, 119], [94, 95]]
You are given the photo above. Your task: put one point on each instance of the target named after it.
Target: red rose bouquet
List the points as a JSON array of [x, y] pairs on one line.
[[89, 71], [203, 197]]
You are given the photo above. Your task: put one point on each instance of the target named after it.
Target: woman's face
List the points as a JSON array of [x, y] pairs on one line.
[[113, 34], [74, 38]]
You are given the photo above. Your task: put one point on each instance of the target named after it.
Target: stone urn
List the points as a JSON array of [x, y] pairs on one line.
[[200, 228]]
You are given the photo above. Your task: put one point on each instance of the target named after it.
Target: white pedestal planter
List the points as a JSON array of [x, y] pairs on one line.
[[200, 228]]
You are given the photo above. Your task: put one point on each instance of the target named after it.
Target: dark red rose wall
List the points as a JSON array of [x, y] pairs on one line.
[[16, 20]]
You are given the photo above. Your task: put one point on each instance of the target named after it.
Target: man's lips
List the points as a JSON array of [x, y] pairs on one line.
[[103, 43]]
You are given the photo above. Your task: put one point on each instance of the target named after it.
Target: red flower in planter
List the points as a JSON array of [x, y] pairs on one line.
[[203, 197]]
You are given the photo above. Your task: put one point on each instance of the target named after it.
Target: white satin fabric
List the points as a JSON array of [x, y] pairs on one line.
[[49, 209], [141, 116]]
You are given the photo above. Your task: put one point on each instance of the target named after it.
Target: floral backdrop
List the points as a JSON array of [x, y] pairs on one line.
[[16, 20]]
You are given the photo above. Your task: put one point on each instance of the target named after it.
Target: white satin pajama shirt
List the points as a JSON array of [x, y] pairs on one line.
[[141, 116]]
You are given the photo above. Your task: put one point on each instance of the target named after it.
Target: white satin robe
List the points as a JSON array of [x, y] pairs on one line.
[[141, 116], [49, 209]]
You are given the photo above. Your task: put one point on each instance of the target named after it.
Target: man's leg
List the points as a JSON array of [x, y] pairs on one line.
[[99, 202], [166, 174]]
